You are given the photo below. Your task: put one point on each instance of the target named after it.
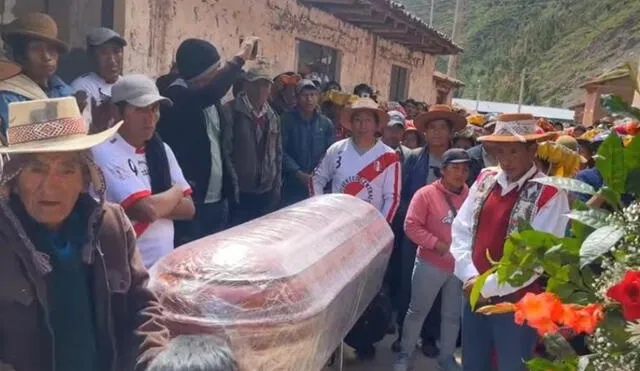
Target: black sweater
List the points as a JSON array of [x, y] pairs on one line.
[[183, 128]]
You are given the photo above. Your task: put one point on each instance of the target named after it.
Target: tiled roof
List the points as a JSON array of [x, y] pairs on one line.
[[390, 20], [444, 77]]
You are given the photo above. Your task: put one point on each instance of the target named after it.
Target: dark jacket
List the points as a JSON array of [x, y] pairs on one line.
[[476, 165], [416, 171], [183, 128], [403, 152], [303, 144], [257, 162], [128, 317], [397, 225]]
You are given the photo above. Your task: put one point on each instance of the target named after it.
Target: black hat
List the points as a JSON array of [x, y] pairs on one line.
[[363, 91], [196, 57], [455, 156]]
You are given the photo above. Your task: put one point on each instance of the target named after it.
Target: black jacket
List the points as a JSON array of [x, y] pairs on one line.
[[183, 128], [476, 165]]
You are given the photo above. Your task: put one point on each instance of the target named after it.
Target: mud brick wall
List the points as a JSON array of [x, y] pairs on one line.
[[155, 28]]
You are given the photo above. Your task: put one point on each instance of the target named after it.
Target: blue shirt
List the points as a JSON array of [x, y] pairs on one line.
[[593, 177], [57, 89]]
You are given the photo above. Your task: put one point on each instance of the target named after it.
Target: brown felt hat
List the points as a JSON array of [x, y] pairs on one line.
[[440, 112], [36, 25], [363, 104], [516, 127]]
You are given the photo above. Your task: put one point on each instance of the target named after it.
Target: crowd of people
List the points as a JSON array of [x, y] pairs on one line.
[[105, 176]]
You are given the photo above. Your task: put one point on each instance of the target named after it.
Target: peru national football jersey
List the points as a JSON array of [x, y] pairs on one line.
[[373, 176], [128, 181]]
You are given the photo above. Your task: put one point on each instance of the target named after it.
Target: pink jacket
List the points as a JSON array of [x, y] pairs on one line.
[[429, 220]]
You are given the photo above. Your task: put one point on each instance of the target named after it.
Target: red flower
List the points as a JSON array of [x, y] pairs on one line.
[[627, 293]]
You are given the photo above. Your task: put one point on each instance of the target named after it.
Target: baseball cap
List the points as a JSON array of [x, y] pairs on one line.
[[455, 156], [137, 90], [396, 118], [101, 35], [259, 71], [305, 84]]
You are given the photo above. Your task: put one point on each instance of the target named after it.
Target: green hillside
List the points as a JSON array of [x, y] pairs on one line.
[[561, 43]]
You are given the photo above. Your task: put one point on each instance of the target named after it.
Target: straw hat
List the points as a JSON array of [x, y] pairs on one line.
[[363, 104], [8, 68], [36, 25], [49, 125], [516, 127], [440, 112]]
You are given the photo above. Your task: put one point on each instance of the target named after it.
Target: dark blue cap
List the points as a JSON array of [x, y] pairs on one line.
[[455, 156]]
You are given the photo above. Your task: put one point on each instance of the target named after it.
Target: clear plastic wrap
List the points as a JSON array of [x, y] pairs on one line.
[[284, 289]]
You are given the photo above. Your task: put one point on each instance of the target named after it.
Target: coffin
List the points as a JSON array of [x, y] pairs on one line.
[[284, 289]]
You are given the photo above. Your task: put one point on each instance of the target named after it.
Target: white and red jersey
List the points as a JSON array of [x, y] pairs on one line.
[[373, 176], [127, 176]]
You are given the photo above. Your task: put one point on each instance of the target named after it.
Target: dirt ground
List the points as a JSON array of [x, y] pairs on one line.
[[384, 360]]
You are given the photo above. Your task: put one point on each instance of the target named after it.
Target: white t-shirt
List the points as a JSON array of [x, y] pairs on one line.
[[373, 176], [127, 176], [96, 88]]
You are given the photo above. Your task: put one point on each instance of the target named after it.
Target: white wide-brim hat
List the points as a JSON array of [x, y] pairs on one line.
[[49, 125]]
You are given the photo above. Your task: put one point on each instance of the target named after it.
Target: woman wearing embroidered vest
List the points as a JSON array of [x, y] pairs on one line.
[[497, 201], [428, 225], [34, 45]]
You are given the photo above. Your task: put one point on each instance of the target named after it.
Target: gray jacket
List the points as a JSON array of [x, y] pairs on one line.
[[256, 154]]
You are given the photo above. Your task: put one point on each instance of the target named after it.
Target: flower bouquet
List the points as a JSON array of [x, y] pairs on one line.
[[592, 275]]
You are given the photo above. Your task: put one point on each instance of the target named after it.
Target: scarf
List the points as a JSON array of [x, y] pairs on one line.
[[23, 85], [158, 165]]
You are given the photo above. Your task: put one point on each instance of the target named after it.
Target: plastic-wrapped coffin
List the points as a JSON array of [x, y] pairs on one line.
[[283, 289]]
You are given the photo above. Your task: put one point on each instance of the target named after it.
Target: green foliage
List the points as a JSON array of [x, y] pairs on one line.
[[477, 287], [615, 104], [599, 243], [610, 163], [568, 184], [593, 218], [561, 43]]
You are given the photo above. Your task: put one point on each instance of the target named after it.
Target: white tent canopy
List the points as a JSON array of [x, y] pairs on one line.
[[549, 113]]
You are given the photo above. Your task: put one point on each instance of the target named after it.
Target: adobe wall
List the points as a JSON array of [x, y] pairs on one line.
[[155, 28]]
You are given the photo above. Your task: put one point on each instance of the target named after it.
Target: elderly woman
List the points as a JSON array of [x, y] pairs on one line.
[[34, 45], [73, 294]]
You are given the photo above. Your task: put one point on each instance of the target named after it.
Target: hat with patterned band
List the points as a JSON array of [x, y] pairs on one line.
[[440, 112], [49, 125], [363, 104], [516, 127]]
